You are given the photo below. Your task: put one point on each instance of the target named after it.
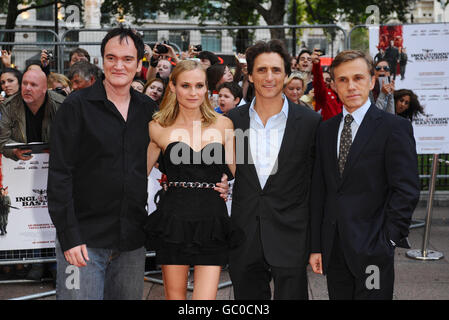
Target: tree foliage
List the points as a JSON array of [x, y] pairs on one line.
[[354, 12]]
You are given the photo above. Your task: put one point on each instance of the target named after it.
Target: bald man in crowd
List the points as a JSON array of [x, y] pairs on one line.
[[27, 117]]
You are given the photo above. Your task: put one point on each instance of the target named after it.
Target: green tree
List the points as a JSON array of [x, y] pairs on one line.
[[354, 12]]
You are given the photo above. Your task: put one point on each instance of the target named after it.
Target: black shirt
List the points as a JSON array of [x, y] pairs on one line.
[[34, 122], [97, 182]]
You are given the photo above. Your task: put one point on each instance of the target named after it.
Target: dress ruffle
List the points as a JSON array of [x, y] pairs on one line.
[[195, 236]]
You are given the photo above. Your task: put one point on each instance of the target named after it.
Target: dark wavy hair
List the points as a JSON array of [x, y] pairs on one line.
[[272, 46], [414, 108], [214, 74], [16, 73]]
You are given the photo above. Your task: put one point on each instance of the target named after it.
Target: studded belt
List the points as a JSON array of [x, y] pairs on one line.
[[183, 184]]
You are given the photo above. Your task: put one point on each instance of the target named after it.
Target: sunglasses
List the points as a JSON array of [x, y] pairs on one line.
[[386, 68]]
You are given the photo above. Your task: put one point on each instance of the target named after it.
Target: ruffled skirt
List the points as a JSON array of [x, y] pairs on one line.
[[191, 227]]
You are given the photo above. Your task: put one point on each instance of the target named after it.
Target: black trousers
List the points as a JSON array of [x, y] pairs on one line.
[[343, 285], [251, 276]]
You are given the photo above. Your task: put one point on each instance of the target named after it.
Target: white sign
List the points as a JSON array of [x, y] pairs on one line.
[[29, 225], [426, 74]]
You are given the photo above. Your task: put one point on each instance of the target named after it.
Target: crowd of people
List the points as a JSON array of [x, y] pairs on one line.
[[110, 126]]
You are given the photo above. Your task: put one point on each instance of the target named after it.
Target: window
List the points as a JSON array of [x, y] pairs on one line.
[[45, 36], [150, 15], [180, 39], [45, 14], [211, 42], [150, 36]]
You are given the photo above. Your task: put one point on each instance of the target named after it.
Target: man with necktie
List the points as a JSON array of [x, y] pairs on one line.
[[365, 188]]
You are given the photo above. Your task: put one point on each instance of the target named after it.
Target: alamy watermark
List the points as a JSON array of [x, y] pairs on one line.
[[262, 150], [373, 280]]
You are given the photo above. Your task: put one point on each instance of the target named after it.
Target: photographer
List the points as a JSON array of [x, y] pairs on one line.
[[77, 54], [161, 62], [326, 99], [382, 93]]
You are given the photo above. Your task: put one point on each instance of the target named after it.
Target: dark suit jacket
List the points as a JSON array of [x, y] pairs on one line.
[[374, 200], [283, 204]]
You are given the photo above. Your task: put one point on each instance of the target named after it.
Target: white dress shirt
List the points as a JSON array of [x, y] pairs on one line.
[[265, 141], [358, 116]]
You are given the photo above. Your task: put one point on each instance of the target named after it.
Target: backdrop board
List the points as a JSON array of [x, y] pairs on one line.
[[425, 71], [28, 223]]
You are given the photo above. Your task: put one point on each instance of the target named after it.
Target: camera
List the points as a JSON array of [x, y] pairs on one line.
[[50, 55], [198, 48], [60, 91], [160, 48], [320, 52]]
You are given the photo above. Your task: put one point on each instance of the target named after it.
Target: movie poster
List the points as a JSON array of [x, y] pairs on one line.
[[24, 219], [419, 58]]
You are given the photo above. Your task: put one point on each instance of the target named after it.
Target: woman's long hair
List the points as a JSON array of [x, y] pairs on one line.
[[414, 107], [169, 107], [16, 73]]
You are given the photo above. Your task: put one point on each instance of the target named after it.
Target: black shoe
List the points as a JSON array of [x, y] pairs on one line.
[[36, 272]]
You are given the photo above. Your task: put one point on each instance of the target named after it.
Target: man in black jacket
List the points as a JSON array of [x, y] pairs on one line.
[[97, 179], [275, 141], [365, 188]]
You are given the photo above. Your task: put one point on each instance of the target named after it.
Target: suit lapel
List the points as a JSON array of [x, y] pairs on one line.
[[247, 157], [289, 139], [332, 147], [368, 126]]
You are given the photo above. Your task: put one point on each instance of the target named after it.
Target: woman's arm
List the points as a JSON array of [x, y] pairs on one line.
[[153, 150]]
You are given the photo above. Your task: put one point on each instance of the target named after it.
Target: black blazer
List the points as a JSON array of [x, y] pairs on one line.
[[373, 202], [282, 206]]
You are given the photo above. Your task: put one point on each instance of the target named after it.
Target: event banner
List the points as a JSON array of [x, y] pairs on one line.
[[419, 55], [25, 222]]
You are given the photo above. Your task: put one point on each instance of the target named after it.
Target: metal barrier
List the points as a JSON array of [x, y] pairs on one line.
[[28, 45], [425, 254], [224, 40], [46, 256]]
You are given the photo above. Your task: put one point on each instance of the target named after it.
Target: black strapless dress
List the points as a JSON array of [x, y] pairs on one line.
[[191, 225]]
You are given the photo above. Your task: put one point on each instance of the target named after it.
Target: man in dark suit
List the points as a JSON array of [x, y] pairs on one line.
[[392, 56], [275, 142], [364, 188]]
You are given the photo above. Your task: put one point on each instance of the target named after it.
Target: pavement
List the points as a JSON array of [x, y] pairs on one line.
[[414, 279]]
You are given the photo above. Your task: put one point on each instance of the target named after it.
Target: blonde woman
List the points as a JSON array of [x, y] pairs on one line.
[[294, 88], [59, 83], [191, 225]]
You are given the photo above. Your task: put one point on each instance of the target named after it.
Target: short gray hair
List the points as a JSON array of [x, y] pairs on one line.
[[84, 69]]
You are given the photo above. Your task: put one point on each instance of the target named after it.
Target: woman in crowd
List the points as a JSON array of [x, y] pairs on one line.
[[382, 93], [191, 226], [407, 104], [154, 89], [59, 83], [218, 74], [10, 80], [137, 85], [294, 89]]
